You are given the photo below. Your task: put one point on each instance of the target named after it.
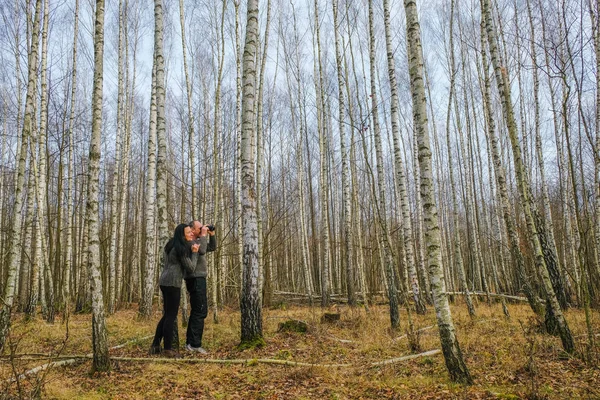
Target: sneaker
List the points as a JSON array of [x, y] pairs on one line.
[[200, 350]]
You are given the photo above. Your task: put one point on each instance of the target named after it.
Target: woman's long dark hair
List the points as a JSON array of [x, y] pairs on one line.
[[178, 242]]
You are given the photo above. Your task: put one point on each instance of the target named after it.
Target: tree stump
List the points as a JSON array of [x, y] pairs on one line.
[[293, 325]]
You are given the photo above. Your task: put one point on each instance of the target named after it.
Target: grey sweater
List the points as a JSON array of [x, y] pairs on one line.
[[172, 273], [207, 243]]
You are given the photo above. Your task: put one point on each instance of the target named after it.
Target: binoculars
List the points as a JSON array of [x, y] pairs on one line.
[[210, 227]]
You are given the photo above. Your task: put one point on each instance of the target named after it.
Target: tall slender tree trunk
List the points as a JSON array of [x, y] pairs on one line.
[[250, 307], [66, 293], [323, 181], [101, 361], [450, 347], [31, 251], [401, 181], [238, 130], [115, 187], [21, 276], [458, 259], [546, 222], [2, 153], [264, 275], [596, 31], [190, 119], [149, 279], [14, 255], [381, 206], [161, 133], [522, 182], [509, 217], [217, 270], [42, 185], [346, 198], [419, 235]]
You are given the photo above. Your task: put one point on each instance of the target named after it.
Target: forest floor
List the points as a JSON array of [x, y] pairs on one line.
[[507, 358]]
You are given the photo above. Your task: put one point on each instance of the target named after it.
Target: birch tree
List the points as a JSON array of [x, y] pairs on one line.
[[346, 199], [522, 182], [323, 148], [14, 255], [380, 206], [116, 176], [150, 246], [101, 361], [250, 307], [66, 288], [458, 259], [401, 181], [596, 32], [161, 134], [450, 347]]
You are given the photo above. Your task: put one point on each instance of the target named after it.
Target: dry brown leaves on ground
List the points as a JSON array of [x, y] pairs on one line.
[[506, 359]]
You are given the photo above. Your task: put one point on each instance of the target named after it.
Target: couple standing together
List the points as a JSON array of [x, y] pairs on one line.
[[184, 258]]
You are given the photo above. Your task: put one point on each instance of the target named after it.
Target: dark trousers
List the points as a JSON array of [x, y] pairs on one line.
[[199, 310], [164, 329]]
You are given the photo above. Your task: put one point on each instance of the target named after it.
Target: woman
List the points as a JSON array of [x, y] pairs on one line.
[[180, 254]]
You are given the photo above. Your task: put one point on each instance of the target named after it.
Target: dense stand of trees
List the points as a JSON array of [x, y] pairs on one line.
[[345, 149]]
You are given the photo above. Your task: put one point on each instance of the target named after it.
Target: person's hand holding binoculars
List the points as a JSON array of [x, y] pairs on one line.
[[210, 229]]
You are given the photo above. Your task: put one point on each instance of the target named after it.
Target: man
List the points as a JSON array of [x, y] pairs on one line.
[[196, 286]]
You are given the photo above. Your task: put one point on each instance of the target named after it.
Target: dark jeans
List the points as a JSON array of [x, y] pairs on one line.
[[199, 310], [164, 329]]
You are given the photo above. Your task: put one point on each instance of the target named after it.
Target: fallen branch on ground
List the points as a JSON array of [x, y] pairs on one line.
[[247, 361], [506, 296], [68, 360], [340, 340], [406, 358]]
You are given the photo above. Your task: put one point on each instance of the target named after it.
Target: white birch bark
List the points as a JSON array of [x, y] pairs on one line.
[[419, 241], [548, 226], [401, 181], [323, 185], [346, 196], [596, 31], [450, 347], [22, 276], [42, 187], [251, 313], [148, 286], [161, 134], [66, 293], [14, 255], [238, 125], [31, 252], [500, 173], [217, 266], [116, 175], [101, 361], [190, 119], [2, 153], [260, 158], [380, 207], [357, 239], [522, 182], [128, 112], [308, 278], [458, 259]]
